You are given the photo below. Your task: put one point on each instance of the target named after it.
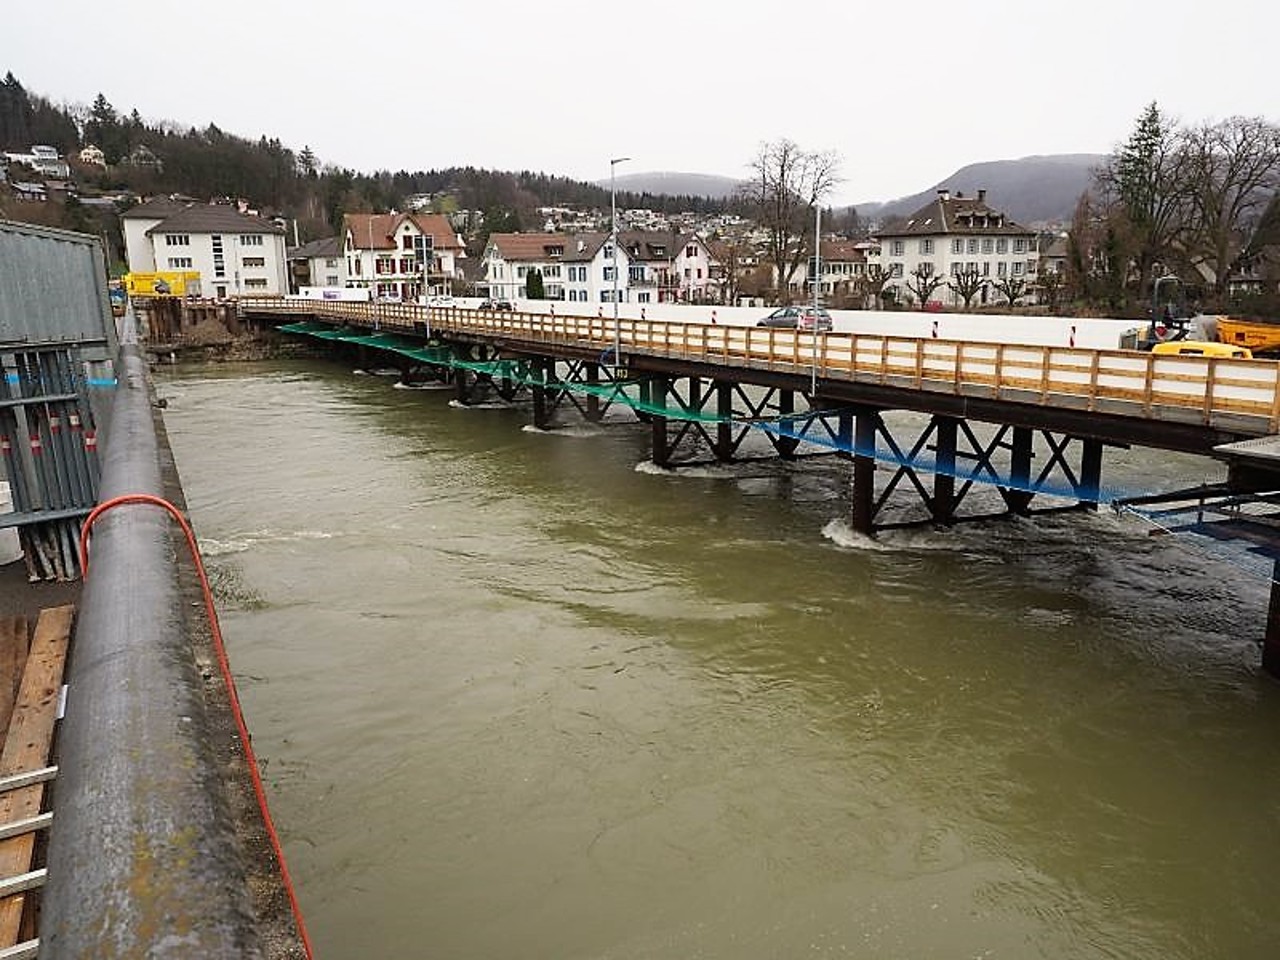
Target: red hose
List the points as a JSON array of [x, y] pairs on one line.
[[221, 651]]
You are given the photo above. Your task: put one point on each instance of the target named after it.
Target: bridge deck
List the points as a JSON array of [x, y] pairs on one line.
[[1219, 397]]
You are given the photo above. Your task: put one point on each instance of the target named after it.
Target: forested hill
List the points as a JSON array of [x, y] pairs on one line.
[[209, 163]]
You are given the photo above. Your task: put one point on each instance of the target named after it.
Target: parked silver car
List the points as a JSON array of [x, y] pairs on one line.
[[801, 317]]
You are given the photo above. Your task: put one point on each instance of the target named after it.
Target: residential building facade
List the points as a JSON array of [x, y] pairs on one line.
[[319, 263], [401, 256], [954, 235], [576, 267], [236, 254]]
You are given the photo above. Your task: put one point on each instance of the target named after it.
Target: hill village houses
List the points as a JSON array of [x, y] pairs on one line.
[[403, 256]]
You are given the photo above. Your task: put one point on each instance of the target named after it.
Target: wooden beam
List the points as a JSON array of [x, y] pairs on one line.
[[27, 747], [13, 655]]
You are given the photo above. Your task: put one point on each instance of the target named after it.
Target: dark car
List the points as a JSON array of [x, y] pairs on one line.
[[496, 305], [799, 318]]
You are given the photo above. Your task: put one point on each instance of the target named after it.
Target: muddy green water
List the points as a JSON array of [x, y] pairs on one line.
[[517, 698]]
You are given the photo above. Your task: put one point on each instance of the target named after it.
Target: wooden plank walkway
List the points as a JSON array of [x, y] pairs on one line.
[[31, 668]]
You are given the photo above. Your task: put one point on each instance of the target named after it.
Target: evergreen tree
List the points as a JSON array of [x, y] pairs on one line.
[[533, 286]]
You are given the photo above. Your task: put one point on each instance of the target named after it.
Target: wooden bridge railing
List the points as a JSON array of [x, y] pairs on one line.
[[1242, 396]]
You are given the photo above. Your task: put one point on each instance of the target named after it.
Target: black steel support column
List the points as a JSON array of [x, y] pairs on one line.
[[541, 406], [658, 397], [943, 505], [594, 413], [1020, 471], [1090, 472], [864, 471], [786, 446], [460, 392], [723, 447]]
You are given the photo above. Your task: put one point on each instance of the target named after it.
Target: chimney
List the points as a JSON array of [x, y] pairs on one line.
[[944, 193], [982, 196]]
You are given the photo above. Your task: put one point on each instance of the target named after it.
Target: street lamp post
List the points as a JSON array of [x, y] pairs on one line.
[[613, 255]]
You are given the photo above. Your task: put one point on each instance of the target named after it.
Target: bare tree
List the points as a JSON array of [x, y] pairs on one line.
[[923, 282], [1011, 288], [787, 183], [872, 284], [967, 284], [1051, 285], [1234, 168]]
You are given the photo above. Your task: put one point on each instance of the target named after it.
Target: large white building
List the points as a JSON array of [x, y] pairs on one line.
[[953, 235], [236, 254]]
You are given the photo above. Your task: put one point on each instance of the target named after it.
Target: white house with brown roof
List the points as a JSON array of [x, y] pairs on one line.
[[236, 254], [575, 267], [401, 255], [958, 234]]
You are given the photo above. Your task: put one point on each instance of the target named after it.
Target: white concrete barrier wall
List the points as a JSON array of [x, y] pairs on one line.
[[1098, 333]]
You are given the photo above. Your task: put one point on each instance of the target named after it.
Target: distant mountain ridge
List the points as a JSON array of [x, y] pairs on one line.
[[1031, 190], [675, 184]]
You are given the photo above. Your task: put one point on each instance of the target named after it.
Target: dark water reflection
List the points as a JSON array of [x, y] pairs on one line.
[[518, 698]]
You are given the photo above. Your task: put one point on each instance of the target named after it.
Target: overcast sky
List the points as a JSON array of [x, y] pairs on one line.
[[905, 93]]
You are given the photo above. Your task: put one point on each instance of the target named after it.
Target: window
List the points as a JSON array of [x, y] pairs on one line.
[[1031, 266], [926, 247], [520, 272], [986, 268], [699, 273], [957, 245], [255, 283], [330, 262], [179, 263], [643, 297], [331, 280], [1002, 269], [895, 270], [608, 251], [177, 240], [896, 248], [254, 261], [407, 265], [1002, 245], [1020, 245], [955, 268], [636, 274], [251, 240], [555, 251], [971, 266], [971, 245], [406, 242], [925, 269], [688, 274], [219, 265], [1018, 267], [987, 245], [552, 271], [691, 250], [608, 273], [385, 265]]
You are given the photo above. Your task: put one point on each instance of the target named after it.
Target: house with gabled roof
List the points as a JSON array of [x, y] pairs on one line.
[[401, 256], [575, 267], [957, 234], [236, 254], [318, 263]]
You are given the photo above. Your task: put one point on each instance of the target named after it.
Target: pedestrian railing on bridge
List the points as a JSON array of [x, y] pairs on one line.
[[1242, 396]]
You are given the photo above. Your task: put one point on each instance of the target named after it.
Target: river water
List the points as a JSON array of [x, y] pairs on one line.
[[518, 696]]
